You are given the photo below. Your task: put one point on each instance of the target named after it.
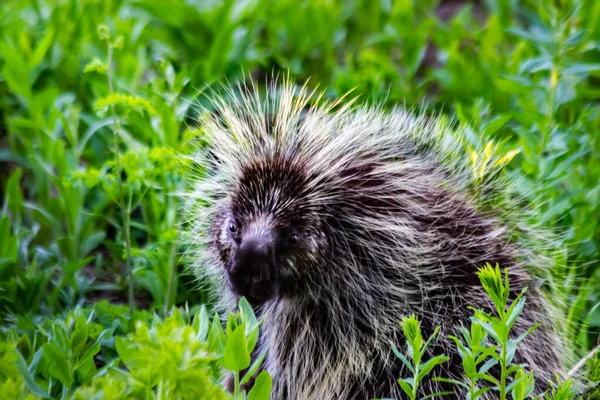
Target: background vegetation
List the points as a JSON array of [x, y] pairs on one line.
[[97, 98]]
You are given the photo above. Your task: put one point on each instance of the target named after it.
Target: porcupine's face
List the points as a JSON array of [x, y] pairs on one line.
[[268, 234]]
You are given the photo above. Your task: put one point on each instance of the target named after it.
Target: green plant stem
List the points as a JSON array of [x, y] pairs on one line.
[[415, 383], [236, 390], [503, 372], [171, 279], [125, 211]]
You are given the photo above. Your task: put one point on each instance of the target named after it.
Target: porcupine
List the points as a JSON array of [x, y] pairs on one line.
[[336, 220]]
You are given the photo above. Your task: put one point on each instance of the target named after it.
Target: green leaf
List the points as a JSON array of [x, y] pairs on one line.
[[582, 68], [514, 383], [488, 378], [491, 280], [539, 37], [406, 363], [500, 329], [201, 324], [262, 387], [248, 315], [232, 324], [488, 365], [406, 387], [252, 339], [60, 367], [487, 327], [92, 241], [494, 125], [477, 394], [216, 337], [236, 356], [29, 379], [433, 336], [13, 192], [124, 351], [253, 368], [515, 310], [438, 394], [42, 48], [525, 334], [94, 349], [79, 336], [452, 381], [532, 65], [429, 365]]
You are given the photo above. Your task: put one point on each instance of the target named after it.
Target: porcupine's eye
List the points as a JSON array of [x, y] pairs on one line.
[[293, 239], [232, 227]]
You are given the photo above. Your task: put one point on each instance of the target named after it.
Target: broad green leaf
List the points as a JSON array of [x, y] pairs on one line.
[[29, 378], [262, 387], [406, 387], [248, 315], [60, 367], [216, 337], [252, 340], [236, 356], [79, 336], [494, 126]]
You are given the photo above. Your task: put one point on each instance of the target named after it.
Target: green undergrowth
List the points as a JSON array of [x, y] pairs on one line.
[[102, 353]]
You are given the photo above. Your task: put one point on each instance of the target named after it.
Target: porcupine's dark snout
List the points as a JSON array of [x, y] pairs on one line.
[[253, 273]]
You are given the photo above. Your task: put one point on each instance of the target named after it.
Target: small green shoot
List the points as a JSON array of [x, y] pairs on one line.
[[416, 349], [499, 326]]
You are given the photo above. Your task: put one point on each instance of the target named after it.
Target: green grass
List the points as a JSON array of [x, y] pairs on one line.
[[98, 97]]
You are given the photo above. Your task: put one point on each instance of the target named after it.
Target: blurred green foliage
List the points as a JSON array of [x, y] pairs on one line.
[[523, 74]]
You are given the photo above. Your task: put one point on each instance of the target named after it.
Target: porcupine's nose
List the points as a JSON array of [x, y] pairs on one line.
[[253, 270]]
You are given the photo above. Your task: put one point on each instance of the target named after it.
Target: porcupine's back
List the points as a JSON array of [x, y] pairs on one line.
[[401, 223]]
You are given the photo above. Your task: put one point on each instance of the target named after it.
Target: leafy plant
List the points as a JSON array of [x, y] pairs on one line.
[[416, 349], [479, 356], [178, 357], [170, 359], [11, 382], [498, 327], [475, 352]]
